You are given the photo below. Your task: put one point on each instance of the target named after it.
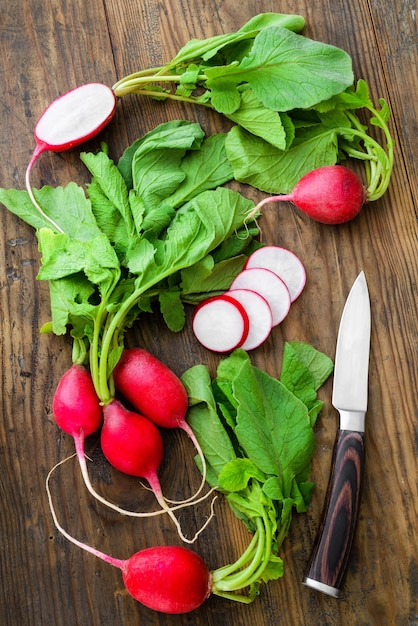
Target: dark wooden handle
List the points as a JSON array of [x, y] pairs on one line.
[[328, 563]]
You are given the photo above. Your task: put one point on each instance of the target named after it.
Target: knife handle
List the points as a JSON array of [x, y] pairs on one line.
[[327, 565]]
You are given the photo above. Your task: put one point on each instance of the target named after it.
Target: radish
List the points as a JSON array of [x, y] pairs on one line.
[[168, 579], [156, 392], [75, 405], [71, 119], [267, 284], [332, 194], [259, 314], [221, 323], [282, 262], [133, 445]]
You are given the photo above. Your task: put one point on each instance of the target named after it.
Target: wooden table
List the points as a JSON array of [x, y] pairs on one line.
[[49, 47]]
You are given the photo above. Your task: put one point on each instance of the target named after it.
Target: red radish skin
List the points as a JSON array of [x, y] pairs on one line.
[[132, 443], [268, 285], [168, 579], [220, 323], [259, 315], [282, 262], [332, 194], [151, 387], [75, 405]]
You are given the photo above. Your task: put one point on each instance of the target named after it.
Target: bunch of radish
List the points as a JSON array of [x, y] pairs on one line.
[[258, 299], [130, 440]]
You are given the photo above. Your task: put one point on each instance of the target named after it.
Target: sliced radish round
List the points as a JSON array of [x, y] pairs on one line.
[[74, 117], [220, 323], [259, 315], [282, 262], [270, 286]]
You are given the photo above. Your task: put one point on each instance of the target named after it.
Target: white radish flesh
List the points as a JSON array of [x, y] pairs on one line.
[[270, 286], [220, 323], [75, 117], [259, 315], [282, 262]]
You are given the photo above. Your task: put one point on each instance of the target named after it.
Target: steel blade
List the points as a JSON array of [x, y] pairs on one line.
[[350, 388]]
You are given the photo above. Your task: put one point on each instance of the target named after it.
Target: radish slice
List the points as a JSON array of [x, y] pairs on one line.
[[270, 286], [220, 323], [75, 117], [259, 315], [282, 262]]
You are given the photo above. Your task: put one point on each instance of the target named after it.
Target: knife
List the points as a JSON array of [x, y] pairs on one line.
[[328, 562]]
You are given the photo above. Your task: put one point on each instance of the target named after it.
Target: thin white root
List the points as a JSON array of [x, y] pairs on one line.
[[80, 544], [32, 197], [199, 451], [160, 499]]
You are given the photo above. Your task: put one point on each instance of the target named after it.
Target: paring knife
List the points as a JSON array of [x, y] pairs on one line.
[[328, 562]]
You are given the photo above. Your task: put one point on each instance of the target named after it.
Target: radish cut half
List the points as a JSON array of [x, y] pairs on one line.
[[75, 117], [282, 262], [220, 323], [270, 286], [259, 315]]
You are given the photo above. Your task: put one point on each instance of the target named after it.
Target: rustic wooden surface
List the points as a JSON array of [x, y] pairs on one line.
[[48, 47]]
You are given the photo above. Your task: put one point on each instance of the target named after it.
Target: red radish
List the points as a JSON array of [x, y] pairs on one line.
[[75, 405], [168, 579], [133, 445], [220, 323], [156, 392], [282, 262], [259, 314], [332, 194], [268, 285], [151, 387], [71, 119], [77, 410]]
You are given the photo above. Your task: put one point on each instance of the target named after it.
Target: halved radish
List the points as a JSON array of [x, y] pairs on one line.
[[75, 116], [221, 323], [259, 314], [282, 262], [71, 119], [270, 286]]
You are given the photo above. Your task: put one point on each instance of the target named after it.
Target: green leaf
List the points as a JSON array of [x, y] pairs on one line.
[[205, 422], [63, 256], [260, 164], [109, 218], [319, 365], [261, 121], [204, 169], [267, 20], [287, 71], [176, 134], [67, 206], [172, 310], [207, 277], [108, 177], [236, 474], [70, 302]]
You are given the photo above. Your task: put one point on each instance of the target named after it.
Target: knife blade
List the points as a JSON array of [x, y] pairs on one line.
[[327, 565]]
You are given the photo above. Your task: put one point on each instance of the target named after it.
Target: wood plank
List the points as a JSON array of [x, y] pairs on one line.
[[49, 47]]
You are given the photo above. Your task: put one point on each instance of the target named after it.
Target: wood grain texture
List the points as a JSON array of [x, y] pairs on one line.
[[50, 46]]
